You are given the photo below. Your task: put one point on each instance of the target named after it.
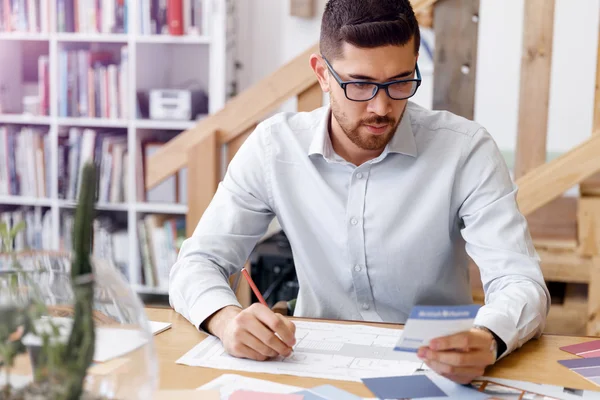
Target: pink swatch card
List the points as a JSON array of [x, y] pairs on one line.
[[585, 350]]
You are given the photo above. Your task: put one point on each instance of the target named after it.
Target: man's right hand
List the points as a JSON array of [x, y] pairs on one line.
[[256, 333]]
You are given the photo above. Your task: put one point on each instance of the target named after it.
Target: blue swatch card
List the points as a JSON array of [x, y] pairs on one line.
[[455, 390], [308, 395], [403, 387], [332, 393]]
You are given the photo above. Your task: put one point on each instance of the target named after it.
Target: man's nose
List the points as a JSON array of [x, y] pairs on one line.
[[381, 104]]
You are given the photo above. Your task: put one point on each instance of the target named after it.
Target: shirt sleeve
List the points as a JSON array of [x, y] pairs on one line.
[[498, 240], [237, 217]]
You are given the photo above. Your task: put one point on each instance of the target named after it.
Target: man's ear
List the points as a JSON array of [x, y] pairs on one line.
[[318, 66]]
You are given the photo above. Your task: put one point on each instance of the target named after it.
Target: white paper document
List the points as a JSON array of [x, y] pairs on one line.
[[111, 342], [322, 350], [226, 384], [158, 327]]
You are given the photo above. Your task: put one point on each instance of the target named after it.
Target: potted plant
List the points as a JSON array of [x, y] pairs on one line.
[[60, 362]]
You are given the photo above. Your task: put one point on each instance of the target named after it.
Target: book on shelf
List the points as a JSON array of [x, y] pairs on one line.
[[172, 190], [110, 240], [29, 16], [160, 239], [93, 84], [37, 234], [24, 161], [106, 148], [171, 17], [92, 16]]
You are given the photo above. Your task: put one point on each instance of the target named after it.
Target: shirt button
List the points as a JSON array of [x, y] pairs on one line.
[[359, 176], [365, 306], [357, 268], [354, 221]]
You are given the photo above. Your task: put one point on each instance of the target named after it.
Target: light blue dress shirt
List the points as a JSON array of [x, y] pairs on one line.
[[372, 241]]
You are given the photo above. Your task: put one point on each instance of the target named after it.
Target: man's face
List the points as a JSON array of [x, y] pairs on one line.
[[370, 125]]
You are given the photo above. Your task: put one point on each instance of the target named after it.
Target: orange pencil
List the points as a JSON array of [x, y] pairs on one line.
[[254, 288]]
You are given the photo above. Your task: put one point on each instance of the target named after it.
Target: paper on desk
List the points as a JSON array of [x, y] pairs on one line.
[[227, 384], [110, 342], [158, 327], [230, 383], [322, 350]]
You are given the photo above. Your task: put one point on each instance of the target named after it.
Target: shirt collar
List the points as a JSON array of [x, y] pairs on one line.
[[403, 141]]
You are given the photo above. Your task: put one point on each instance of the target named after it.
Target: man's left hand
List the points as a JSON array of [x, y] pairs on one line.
[[461, 357]]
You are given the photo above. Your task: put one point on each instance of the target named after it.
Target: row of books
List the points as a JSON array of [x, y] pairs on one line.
[[32, 16], [110, 240], [37, 231], [171, 17], [160, 238], [108, 149], [94, 84], [92, 16], [24, 161]]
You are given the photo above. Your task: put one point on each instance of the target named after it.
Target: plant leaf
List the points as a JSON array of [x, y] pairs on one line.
[[3, 230], [17, 228]]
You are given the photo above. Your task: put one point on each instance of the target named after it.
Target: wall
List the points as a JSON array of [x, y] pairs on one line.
[[269, 36]]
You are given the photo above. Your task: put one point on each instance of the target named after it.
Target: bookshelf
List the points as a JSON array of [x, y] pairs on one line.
[[199, 59]]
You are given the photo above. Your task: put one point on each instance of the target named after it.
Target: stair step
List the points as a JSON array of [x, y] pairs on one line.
[[554, 226]]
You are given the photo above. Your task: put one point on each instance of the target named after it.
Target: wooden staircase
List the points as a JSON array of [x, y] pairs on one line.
[[566, 230]]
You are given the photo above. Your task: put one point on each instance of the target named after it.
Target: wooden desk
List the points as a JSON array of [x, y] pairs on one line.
[[536, 361]]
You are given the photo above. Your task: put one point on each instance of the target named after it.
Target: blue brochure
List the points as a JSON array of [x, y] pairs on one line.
[[429, 322]]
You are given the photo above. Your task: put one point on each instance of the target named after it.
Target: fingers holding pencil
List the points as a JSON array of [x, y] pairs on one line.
[[257, 332], [260, 330]]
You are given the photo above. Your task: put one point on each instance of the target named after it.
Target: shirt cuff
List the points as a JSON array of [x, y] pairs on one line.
[[204, 308], [501, 326]]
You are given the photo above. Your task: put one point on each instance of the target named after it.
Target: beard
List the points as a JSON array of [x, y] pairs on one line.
[[365, 140]]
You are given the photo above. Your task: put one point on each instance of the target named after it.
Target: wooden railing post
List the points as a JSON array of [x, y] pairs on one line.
[[204, 167], [456, 24], [311, 98], [234, 145], [591, 187], [536, 62], [593, 325]]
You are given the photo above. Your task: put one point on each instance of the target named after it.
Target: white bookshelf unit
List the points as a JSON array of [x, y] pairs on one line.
[[153, 61]]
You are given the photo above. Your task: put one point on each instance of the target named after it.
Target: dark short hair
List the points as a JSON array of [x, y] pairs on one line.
[[368, 24]]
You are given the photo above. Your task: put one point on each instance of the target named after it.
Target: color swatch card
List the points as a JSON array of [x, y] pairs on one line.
[[589, 368], [250, 395], [585, 350], [429, 322], [403, 387]]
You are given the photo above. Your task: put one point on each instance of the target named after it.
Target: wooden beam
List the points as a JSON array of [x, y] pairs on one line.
[[203, 161], [548, 181], [311, 98], [591, 187], [565, 266], [593, 327], [302, 8], [536, 62], [597, 96], [456, 25], [588, 226]]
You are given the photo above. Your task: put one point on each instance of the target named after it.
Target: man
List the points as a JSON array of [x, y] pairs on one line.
[[382, 201]]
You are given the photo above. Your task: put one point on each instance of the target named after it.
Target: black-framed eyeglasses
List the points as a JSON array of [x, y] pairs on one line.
[[367, 90]]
